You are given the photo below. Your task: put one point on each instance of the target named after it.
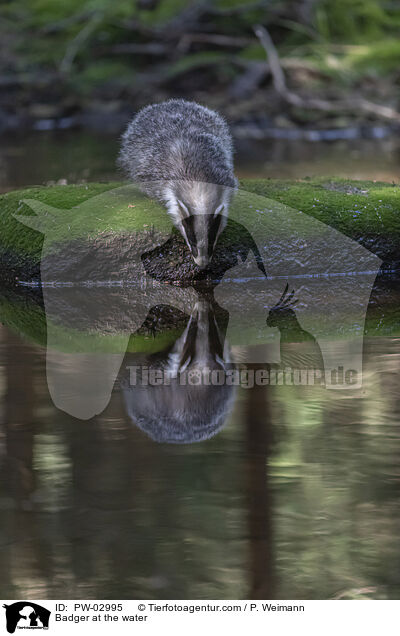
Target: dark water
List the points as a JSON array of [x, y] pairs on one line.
[[296, 497], [48, 157]]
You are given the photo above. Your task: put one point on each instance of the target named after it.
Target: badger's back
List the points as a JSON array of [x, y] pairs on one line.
[[178, 140]]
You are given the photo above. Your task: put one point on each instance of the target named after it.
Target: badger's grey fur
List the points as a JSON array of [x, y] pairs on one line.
[[181, 154]]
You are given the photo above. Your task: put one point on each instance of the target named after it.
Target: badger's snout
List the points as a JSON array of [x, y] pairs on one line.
[[201, 253], [201, 261]]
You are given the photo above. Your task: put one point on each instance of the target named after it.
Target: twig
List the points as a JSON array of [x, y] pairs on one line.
[[145, 48], [278, 76], [76, 43], [211, 38], [385, 112], [279, 82]]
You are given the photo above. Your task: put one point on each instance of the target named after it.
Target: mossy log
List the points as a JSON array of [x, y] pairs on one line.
[[368, 212], [60, 234]]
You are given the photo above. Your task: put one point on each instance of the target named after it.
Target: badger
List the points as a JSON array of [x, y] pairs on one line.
[[181, 154]]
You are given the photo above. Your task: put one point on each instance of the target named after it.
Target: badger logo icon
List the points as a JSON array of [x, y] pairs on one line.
[[26, 615]]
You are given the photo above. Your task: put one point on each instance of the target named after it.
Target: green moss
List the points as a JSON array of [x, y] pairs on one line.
[[72, 340], [356, 208], [73, 212], [24, 317], [15, 236], [29, 319]]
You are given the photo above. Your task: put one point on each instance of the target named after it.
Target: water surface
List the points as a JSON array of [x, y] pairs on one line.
[[47, 157], [296, 497]]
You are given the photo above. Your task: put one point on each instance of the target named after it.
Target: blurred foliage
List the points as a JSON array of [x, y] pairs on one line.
[[380, 57], [356, 21], [138, 50]]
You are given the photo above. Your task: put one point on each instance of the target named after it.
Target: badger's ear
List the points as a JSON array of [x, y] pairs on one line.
[[184, 210], [219, 209]]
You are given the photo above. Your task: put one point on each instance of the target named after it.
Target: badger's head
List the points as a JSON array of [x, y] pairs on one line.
[[200, 212]]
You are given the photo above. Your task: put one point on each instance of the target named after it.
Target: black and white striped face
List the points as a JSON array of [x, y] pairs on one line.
[[200, 213], [201, 232]]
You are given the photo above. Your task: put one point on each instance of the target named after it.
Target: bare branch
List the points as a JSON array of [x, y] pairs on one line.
[[278, 76], [211, 38], [145, 48], [385, 112], [76, 43], [279, 82]]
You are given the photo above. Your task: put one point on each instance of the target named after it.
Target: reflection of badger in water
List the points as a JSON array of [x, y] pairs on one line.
[[181, 154], [183, 408]]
